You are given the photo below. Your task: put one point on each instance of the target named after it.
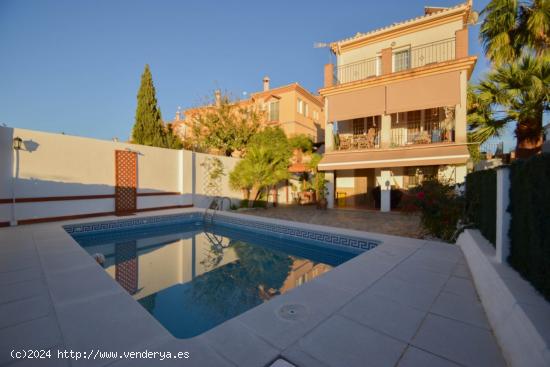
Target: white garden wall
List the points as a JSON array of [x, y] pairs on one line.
[[81, 171]]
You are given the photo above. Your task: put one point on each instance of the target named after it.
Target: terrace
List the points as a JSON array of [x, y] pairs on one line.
[[403, 59], [407, 129]]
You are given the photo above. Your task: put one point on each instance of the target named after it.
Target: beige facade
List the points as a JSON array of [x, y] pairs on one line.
[[395, 105], [291, 107]]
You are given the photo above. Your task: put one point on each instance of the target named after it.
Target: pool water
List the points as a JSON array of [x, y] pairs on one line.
[[192, 278]]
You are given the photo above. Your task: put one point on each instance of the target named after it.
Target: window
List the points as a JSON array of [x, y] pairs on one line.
[[401, 60], [274, 111], [358, 127], [316, 115], [300, 106], [306, 110]]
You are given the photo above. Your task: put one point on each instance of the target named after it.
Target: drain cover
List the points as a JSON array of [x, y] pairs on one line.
[[292, 312]]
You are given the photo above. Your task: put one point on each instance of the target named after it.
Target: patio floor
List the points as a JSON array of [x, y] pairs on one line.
[[407, 302], [393, 223]]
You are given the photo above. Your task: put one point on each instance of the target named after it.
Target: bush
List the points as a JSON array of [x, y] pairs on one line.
[[440, 207], [530, 224], [481, 204]]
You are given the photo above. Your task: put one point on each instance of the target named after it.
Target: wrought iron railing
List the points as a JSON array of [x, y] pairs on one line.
[[359, 141], [417, 56], [358, 70], [431, 53], [412, 135]]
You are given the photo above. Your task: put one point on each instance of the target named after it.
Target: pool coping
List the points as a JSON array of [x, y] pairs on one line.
[[94, 312]]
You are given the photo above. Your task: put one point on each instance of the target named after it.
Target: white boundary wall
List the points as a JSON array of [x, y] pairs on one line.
[[54, 165]]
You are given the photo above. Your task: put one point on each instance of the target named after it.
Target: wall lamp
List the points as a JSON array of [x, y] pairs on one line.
[[17, 143]]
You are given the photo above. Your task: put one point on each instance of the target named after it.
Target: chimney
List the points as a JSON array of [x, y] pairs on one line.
[[218, 97], [178, 114], [266, 83]]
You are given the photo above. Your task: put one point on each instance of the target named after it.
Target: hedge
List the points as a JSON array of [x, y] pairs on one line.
[[530, 223], [481, 202]]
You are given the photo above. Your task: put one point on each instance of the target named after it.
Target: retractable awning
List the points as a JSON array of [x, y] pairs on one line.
[[441, 154]]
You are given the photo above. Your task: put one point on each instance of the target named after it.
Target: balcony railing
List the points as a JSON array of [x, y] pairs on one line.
[[432, 53], [411, 135], [358, 70], [370, 140], [414, 57]]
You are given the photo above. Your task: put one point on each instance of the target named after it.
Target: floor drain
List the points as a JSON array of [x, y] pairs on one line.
[[292, 312]]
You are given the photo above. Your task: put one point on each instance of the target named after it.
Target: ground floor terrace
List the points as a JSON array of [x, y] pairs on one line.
[[406, 302]]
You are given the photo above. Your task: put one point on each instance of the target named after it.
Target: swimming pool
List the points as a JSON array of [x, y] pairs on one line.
[[193, 275]]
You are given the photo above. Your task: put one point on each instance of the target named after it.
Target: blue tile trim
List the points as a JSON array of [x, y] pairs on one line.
[[110, 225], [355, 244], [350, 243]]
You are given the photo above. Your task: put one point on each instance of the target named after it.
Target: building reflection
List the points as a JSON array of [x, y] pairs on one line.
[[146, 266]]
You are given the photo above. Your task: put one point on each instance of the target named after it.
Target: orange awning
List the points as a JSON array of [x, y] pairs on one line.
[[425, 155], [426, 92], [361, 103]]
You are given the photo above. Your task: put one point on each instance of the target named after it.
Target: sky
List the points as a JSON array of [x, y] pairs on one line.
[[74, 66]]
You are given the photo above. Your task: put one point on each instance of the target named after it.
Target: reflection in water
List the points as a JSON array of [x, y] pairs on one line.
[[191, 280]]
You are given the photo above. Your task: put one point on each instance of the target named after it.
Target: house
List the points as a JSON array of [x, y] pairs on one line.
[[291, 107], [395, 106]]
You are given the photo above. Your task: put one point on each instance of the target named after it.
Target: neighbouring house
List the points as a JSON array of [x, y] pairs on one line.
[[395, 105], [291, 107]]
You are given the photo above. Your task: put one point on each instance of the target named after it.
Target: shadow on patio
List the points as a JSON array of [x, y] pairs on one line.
[[393, 223]]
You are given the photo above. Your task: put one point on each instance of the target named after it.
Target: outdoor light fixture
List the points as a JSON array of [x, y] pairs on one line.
[[17, 141]]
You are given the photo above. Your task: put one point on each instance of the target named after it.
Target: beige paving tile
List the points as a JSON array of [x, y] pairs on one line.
[[459, 342], [16, 312], [342, 342], [389, 317], [460, 308], [415, 357], [41, 333]]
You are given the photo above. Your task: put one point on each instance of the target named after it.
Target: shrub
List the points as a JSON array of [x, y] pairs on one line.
[[530, 223], [481, 202], [440, 207]]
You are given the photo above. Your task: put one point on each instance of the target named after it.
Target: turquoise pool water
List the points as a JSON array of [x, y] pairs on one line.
[[192, 277]]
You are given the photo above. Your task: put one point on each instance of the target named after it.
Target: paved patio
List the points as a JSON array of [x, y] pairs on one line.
[[404, 303], [394, 223]]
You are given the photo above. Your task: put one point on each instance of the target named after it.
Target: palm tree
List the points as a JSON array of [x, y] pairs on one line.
[[511, 28], [517, 91]]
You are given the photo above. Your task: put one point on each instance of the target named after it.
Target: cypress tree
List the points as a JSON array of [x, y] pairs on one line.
[[148, 127]]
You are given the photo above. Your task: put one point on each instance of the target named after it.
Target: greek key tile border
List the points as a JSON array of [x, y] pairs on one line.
[[355, 244], [74, 229]]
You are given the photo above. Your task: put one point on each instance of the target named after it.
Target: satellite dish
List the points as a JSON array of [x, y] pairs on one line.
[[473, 17]]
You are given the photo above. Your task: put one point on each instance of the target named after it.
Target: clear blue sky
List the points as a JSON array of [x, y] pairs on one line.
[[74, 66]]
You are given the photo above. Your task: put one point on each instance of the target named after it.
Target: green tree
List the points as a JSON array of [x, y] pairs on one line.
[[148, 127], [515, 37], [511, 28], [265, 163], [226, 126], [172, 140], [518, 92]]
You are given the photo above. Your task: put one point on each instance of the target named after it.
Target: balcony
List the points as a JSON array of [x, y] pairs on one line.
[[370, 140], [431, 126], [401, 59]]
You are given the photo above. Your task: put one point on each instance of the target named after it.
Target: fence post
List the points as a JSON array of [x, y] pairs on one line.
[[502, 215]]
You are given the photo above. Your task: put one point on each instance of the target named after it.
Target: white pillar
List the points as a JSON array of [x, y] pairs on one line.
[[385, 191], [385, 131], [329, 137], [329, 176], [503, 217]]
